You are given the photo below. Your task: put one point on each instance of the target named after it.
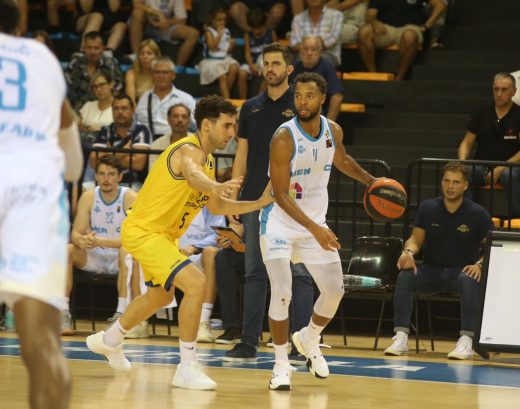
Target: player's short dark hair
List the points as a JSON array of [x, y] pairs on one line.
[[93, 35], [180, 104], [256, 18], [279, 48], [122, 95], [455, 166], [112, 161], [211, 106], [312, 77], [9, 16]]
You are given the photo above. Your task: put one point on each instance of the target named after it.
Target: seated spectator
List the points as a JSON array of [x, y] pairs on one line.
[[397, 22], [496, 130], [254, 43], [199, 243], [224, 166], [138, 79], [43, 37], [161, 97], [179, 121], [165, 20], [95, 238], [103, 16], [438, 27], [98, 113], [354, 12], [124, 132], [275, 10], [82, 67], [311, 61], [217, 63], [449, 230], [322, 22]]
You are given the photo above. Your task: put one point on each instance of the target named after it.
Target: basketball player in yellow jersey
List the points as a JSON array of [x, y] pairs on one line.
[[180, 183]]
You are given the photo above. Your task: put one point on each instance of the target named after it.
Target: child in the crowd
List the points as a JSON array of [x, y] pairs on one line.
[[254, 43], [217, 62]]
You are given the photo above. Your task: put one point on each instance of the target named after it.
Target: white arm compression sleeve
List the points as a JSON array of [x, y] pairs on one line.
[[71, 145]]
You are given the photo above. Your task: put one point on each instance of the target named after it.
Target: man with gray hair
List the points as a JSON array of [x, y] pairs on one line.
[[311, 60], [496, 129], [152, 108]]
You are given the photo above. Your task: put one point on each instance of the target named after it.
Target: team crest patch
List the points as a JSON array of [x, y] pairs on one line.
[[289, 113], [463, 228]]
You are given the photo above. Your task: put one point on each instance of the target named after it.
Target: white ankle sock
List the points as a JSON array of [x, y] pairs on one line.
[[312, 331], [114, 335], [122, 303], [188, 351], [206, 311], [280, 352]]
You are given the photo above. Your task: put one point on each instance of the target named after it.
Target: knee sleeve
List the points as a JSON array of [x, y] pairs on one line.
[[329, 279], [280, 278]]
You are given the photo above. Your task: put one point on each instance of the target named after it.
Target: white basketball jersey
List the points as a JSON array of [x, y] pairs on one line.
[[32, 91], [106, 218], [311, 164]]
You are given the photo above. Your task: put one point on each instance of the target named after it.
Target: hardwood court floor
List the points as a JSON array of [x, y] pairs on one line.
[[361, 379]]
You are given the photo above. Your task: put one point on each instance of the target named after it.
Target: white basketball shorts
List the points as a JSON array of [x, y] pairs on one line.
[[34, 231]]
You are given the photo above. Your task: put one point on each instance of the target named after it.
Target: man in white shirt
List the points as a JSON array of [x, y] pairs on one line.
[[161, 97]]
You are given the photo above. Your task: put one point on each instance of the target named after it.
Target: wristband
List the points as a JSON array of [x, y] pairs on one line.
[[480, 264]]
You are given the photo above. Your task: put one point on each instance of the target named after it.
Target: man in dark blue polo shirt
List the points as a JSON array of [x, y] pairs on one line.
[[496, 130], [312, 61], [259, 118], [449, 229]]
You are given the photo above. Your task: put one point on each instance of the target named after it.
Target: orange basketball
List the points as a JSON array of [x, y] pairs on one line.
[[385, 200]]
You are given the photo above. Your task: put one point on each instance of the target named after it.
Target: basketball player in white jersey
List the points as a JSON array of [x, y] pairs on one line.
[[96, 233], [293, 229], [39, 144]]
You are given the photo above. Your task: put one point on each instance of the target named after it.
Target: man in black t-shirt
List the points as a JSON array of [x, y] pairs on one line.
[[449, 230], [399, 22], [496, 129]]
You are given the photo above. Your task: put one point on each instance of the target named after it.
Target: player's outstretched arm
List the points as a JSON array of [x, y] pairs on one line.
[[70, 143], [219, 204], [346, 163], [280, 154]]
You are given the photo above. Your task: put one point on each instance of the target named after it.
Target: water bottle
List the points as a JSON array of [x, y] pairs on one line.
[[360, 281]]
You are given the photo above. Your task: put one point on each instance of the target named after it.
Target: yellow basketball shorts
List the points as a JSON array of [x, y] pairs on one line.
[[157, 253]]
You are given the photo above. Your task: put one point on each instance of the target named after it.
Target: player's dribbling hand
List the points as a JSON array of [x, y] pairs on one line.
[[327, 239]]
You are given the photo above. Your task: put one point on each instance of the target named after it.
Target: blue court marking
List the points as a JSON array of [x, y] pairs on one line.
[[369, 367]]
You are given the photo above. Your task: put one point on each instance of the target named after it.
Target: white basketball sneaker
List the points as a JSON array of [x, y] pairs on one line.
[[191, 376], [311, 350], [400, 345], [115, 356], [281, 377], [463, 349]]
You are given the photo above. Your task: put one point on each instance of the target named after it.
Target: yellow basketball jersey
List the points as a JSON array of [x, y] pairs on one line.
[[166, 203]]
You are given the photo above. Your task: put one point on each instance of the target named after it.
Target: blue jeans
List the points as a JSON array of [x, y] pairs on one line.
[[430, 279], [505, 180], [255, 286]]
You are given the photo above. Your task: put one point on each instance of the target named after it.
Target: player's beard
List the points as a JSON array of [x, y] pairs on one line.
[[310, 117], [277, 80]]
